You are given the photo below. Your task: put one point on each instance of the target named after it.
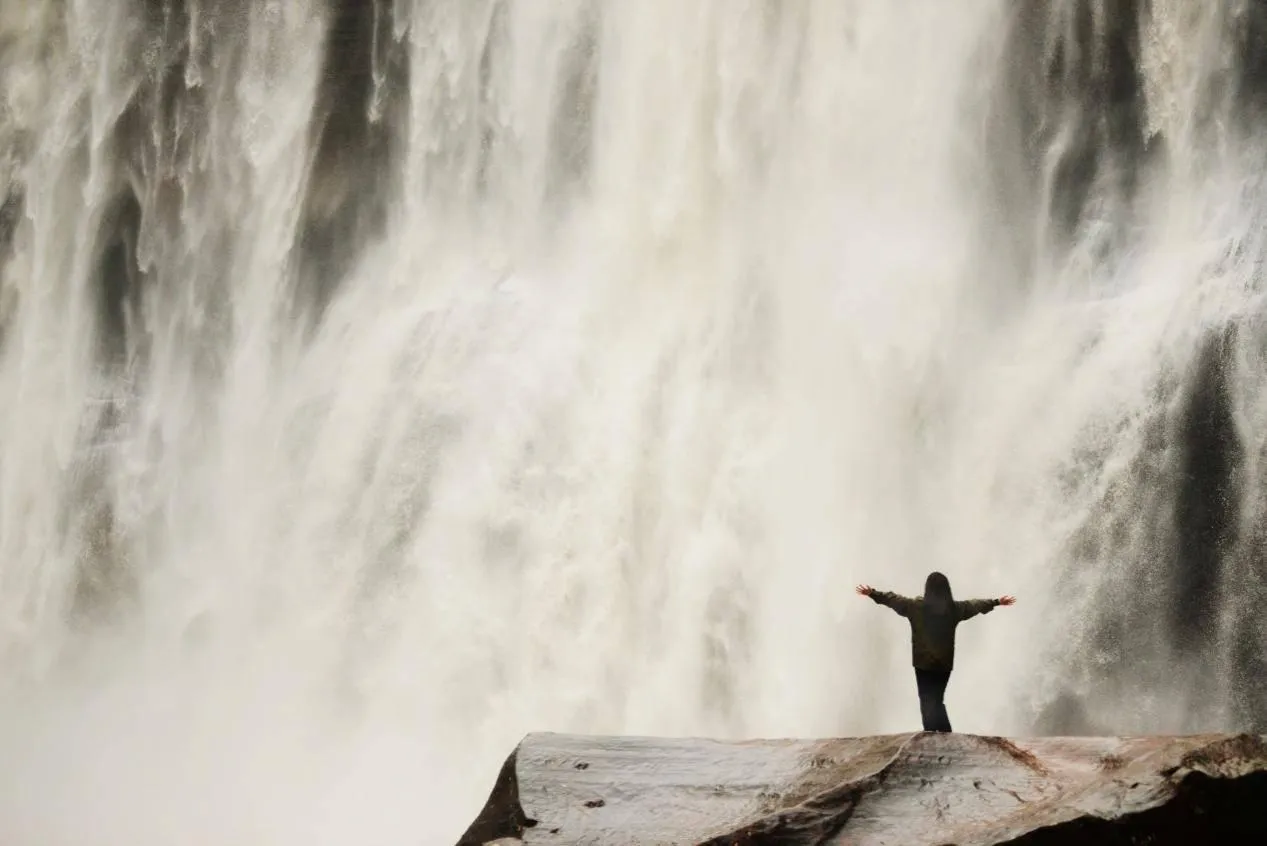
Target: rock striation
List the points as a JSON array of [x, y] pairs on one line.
[[909, 789]]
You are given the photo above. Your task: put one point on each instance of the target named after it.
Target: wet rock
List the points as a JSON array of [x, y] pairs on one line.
[[1208, 505], [910, 789], [10, 212], [361, 102], [1072, 109], [119, 278], [1247, 26]]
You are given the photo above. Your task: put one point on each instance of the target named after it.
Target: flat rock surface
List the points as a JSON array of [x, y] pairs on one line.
[[908, 789]]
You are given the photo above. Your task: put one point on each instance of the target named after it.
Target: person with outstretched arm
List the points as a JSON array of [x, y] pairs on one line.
[[934, 618]]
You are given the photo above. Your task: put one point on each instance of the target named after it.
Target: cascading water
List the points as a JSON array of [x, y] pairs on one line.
[[384, 380]]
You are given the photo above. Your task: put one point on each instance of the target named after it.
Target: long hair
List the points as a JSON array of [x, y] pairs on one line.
[[939, 608], [937, 594]]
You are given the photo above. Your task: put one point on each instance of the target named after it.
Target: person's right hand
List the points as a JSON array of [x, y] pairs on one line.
[[1007, 600], [865, 590]]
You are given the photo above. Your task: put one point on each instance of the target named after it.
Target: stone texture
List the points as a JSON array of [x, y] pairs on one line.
[[895, 789]]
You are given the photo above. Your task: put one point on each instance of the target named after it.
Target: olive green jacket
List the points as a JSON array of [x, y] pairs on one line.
[[931, 651]]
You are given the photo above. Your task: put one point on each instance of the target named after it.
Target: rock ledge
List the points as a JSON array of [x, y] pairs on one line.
[[908, 789]]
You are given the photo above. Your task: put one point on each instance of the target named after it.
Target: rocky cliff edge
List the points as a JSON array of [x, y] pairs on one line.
[[909, 789]]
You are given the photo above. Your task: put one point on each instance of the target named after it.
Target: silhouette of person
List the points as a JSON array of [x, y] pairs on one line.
[[934, 618]]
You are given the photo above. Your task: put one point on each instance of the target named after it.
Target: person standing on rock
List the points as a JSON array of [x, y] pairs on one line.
[[934, 618]]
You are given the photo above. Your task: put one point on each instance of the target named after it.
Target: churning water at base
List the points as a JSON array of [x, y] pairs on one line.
[[385, 380]]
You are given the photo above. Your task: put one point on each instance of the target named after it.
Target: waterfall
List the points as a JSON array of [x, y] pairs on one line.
[[386, 379]]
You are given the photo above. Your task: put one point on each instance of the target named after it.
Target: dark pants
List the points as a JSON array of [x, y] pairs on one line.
[[932, 695]]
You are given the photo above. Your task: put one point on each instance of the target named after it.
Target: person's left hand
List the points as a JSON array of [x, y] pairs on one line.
[[1007, 600]]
